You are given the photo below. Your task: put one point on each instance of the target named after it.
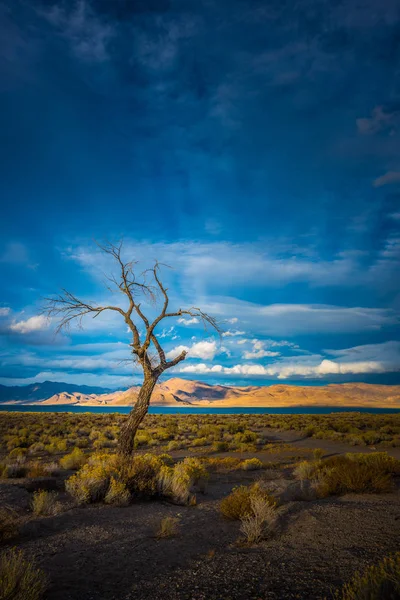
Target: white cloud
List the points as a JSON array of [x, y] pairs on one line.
[[258, 351], [166, 333], [205, 350], [207, 267], [192, 321], [37, 323], [285, 371], [233, 333], [294, 319], [233, 320], [371, 358], [4, 311]]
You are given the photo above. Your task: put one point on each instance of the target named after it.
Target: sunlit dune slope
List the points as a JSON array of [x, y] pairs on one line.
[[181, 392]]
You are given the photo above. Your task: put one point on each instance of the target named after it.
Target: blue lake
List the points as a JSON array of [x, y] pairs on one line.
[[188, 410]]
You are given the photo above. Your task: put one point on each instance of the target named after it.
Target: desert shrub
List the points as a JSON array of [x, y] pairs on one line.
[[8, 523], [378, 582], [91, 482], [168, 527], [44, 503], [36, 469], [238, 504], [51, 469], [20, 579], [117, 493], [246, 437], [174, 445], [201, 441], [304, 470], [352, 473], [220, 446], [140, 474], [228, 463], [17, 453], [14, 470], [181, 481], [74, 460], [261, 522], [251, 464], [318, 453]]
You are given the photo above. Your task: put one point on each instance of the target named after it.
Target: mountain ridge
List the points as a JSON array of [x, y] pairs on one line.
[[185, 392]]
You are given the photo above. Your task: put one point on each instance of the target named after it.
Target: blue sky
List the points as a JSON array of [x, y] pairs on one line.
[[253, 146]]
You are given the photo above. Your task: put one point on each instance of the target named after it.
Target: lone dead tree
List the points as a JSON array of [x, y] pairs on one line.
[[67, 308]]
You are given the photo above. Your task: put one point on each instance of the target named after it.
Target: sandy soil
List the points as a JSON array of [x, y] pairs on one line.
[[107, 553]]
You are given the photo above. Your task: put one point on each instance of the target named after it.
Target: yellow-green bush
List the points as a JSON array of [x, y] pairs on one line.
[[239, 502], [352, 473], [91, 482], [44, 503], [251, 464], [74, 460], [181, 481], [20, 579], [378, 582], [117, 493]]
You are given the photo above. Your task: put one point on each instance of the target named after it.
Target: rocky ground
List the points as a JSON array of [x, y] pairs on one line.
[[109, 553]]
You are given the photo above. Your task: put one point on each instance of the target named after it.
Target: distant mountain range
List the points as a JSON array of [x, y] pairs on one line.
[[181, 392], [35, 392]]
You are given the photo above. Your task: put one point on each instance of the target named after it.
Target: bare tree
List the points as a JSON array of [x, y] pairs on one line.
[[146, 348]]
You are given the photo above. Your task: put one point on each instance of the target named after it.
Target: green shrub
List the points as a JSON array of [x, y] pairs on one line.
[[20, 579], [378, 582]]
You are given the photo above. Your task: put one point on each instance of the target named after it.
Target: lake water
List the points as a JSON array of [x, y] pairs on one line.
[[189, 410]]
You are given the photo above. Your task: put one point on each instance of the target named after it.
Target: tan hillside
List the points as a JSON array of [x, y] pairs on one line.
[[176, 391]]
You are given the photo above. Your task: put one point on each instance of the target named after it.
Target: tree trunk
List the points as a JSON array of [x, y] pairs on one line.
[[126, 444]]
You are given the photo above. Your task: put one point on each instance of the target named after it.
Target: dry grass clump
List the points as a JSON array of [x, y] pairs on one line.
[[74, 460], [239, 502], [305, 470], [352, 473], [181, 481], [8, 523], [20, 579], [262, 521], [378, 582], [45, 503], [251, 464], [169, 527]]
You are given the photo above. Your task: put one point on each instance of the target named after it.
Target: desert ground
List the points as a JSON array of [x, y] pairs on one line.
[[104, 551]]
